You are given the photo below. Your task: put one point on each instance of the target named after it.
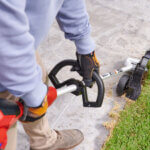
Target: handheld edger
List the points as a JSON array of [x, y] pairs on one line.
[[129, 83]]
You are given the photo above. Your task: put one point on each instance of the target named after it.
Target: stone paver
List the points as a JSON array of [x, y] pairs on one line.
[[121, 29]]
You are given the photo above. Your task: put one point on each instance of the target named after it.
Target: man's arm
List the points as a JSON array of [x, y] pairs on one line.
[[19, 73], [73, 20]]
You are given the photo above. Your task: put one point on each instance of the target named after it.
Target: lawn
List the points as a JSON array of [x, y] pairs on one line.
[[132, 131]]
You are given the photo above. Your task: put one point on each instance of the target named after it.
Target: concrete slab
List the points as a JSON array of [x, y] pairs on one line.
[[120, 29]]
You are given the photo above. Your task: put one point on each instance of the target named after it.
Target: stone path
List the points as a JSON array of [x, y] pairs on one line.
[[121, 29]]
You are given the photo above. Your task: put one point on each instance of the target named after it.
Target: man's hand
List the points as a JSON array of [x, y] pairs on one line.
[[35, 113], [88, 63]]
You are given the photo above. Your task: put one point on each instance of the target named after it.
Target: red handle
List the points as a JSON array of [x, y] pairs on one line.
[[51, 95]]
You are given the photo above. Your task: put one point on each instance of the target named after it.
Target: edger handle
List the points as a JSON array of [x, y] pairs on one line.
[[80, 88]]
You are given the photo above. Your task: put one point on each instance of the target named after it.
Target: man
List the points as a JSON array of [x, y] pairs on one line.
[[23, 25]]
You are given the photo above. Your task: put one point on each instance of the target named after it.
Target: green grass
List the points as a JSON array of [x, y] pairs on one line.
[[133, 129]]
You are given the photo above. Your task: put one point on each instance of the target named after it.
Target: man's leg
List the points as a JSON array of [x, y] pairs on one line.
[[12, 138], [39, 132], [44, 73]]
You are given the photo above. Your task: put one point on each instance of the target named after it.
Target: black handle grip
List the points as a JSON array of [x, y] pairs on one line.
[[100, 95], [57, 68], [81, 88]]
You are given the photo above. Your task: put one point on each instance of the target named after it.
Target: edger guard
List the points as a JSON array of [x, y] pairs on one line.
[[130, 84], [80, 87]]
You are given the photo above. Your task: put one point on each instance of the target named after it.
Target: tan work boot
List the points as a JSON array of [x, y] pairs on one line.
[[67, 139]]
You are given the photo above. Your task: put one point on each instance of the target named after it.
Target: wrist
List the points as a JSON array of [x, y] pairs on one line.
[[35, 97], [85, 45]]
